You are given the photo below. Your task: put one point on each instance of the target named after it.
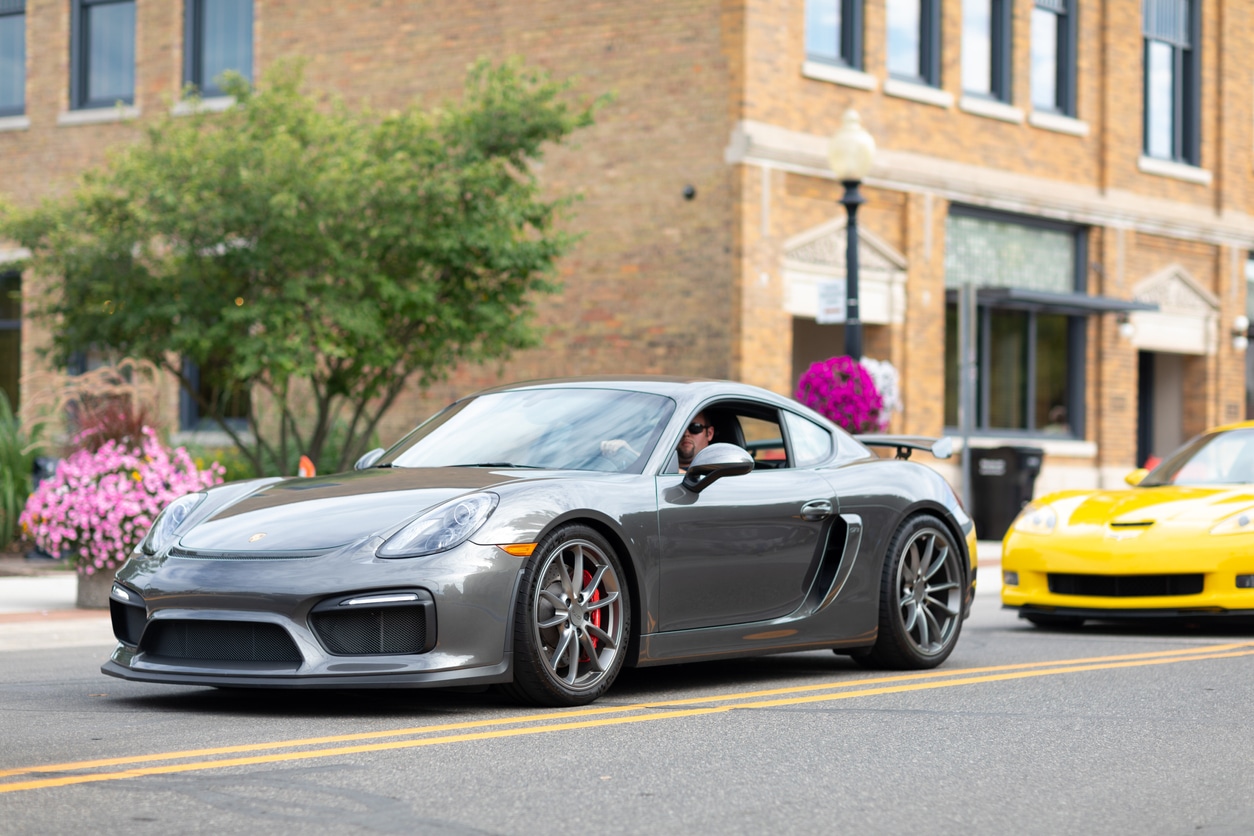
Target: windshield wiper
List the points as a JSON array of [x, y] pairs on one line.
[[499, 464]]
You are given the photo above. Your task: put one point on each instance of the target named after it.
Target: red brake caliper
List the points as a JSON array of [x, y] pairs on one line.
[[596, 615]]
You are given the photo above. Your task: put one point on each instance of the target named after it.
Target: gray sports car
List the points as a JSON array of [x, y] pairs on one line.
[[542, 535]]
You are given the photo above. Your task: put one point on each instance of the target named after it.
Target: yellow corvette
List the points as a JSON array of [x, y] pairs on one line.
[[1178, 542]]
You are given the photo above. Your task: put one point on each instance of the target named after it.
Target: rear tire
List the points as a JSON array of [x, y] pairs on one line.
[[572, 620], [921, 596]]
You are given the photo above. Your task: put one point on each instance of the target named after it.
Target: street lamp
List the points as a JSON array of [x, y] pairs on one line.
[[851, 151]]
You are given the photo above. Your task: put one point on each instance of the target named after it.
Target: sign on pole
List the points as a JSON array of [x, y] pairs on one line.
[[831, 309]]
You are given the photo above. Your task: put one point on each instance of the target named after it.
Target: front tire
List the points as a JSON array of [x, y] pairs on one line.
[[572, 620], [921, 593]]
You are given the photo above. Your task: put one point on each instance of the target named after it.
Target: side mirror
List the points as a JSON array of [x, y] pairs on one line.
[[1134, 478], [368, 459], [715, 462]]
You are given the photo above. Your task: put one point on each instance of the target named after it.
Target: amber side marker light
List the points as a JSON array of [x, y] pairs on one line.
[[520, 549]]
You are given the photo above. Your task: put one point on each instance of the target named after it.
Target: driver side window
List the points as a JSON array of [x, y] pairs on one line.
[[755, 429]]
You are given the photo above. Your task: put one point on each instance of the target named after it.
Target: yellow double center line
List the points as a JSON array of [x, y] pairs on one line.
[[517, 725]]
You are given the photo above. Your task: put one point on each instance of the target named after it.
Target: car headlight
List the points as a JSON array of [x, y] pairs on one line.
[[169, 523], [441, 528], [1242, 523], [1036, 519]]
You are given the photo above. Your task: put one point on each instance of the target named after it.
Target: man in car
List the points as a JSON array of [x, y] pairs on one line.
[[697, 436]]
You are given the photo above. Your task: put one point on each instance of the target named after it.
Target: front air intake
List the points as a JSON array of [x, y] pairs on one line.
[[220, 641], [377, 623]]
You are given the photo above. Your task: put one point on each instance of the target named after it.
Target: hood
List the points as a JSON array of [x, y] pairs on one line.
[[1146, 506], [302, 515]]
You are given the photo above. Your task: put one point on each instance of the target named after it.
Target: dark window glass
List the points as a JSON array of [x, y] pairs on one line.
[[103, 53], [12, 57], [834, 31], [214, 388], [11, 335], [219, 38], [1172, 74]]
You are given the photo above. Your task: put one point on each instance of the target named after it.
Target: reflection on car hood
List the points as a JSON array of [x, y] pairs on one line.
[[1152, 505], [300, 515]]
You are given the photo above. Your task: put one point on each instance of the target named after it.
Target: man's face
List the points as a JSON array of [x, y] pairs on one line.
[[696, 438]]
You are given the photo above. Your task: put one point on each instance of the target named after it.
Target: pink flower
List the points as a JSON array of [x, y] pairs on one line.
[[840, 389], [99, 506]]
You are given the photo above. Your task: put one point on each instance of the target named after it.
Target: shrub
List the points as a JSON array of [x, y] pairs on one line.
[[99, 505], [840, 389], [18, 450]]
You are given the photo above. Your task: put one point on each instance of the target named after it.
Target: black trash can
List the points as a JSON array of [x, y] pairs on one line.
[[1002, 481]]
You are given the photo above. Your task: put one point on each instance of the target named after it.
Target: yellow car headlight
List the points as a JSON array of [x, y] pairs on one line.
[[1242, 523], [1036, 519]]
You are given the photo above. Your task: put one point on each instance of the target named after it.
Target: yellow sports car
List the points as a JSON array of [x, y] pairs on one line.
[[1179, 542]]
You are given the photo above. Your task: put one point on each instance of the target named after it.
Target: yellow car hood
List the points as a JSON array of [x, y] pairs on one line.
[[1153, 505]]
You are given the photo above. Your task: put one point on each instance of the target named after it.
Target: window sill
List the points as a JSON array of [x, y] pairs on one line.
[[1177, 171], [1058, 123], [98, 115], [215, 104], [1067, 448], [918, 93], [8, 256], [845, 76], [14, 123], [991, 109]]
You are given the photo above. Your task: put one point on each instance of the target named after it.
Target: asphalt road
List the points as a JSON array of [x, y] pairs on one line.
[[1106, 730]]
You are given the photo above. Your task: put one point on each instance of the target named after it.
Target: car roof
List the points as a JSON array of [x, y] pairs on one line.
[[685, 390]]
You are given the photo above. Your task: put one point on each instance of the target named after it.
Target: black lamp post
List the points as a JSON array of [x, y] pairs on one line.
[[851, 153]]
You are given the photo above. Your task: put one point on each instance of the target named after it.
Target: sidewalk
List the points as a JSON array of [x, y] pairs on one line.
[[37, 608]]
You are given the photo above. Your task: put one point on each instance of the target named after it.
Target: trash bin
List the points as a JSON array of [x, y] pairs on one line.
[[1002, 480]]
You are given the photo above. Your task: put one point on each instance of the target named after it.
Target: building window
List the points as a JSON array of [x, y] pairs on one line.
[[212, 386], [12, 57], [103, 53], [11, 335], [1172, 81], [1053, 56], [834, 32], [219, 37], [986, 40], [1029, 355], [914, 40]]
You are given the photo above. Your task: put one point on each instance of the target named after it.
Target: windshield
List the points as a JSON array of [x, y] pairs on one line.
[[558, 429], [1223, 458]]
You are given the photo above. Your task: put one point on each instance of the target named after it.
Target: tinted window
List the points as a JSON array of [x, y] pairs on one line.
[[811, 443], [1225, 458]]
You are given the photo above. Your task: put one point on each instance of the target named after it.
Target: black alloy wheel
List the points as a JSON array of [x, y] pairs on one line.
[[572, 620]]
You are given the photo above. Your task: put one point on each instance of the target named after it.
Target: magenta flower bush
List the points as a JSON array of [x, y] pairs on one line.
[[840, 389], [98, 506]]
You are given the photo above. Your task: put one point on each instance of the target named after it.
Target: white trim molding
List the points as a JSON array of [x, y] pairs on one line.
[[1058, 123], [918, 93], [991, 109], [216, 104], [14, 123], [8, 256], [846, 76], [98, 115], [1177, 171]]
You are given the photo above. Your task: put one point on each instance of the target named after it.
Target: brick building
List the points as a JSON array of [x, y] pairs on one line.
[[1082, 169]]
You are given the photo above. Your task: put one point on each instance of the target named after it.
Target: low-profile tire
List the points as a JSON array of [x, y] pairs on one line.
[[921, 594], [1055, 622], [572, 620]]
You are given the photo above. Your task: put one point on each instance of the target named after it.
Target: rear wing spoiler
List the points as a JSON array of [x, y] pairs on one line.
[[941, 448]]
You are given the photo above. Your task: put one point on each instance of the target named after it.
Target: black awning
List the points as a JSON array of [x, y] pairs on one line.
[[1076, 304]]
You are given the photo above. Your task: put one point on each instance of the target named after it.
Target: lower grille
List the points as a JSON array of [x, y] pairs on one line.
[[1125, 586], [376, 630], [220, 641]]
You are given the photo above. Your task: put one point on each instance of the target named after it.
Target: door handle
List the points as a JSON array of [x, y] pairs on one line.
[[816, 509]]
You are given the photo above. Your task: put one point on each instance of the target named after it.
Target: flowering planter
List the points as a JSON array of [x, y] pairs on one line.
[[93, 590]]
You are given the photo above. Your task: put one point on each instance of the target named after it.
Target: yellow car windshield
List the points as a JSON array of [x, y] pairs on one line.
[[1216, 458]]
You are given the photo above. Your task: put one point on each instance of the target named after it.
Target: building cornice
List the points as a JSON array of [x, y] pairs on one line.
[[762, 144]]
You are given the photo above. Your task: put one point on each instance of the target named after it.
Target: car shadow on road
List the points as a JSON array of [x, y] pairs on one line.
[[633, 685]]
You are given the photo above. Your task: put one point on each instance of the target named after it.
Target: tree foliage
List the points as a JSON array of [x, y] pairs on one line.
[[319, 257]]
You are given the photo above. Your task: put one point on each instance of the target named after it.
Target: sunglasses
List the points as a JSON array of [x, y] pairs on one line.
[[696, 429]]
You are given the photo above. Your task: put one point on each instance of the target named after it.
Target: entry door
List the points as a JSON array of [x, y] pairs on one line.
[[739, 551], [1160, 390]]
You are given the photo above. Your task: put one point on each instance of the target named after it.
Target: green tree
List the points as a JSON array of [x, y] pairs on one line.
[[321, 259]]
